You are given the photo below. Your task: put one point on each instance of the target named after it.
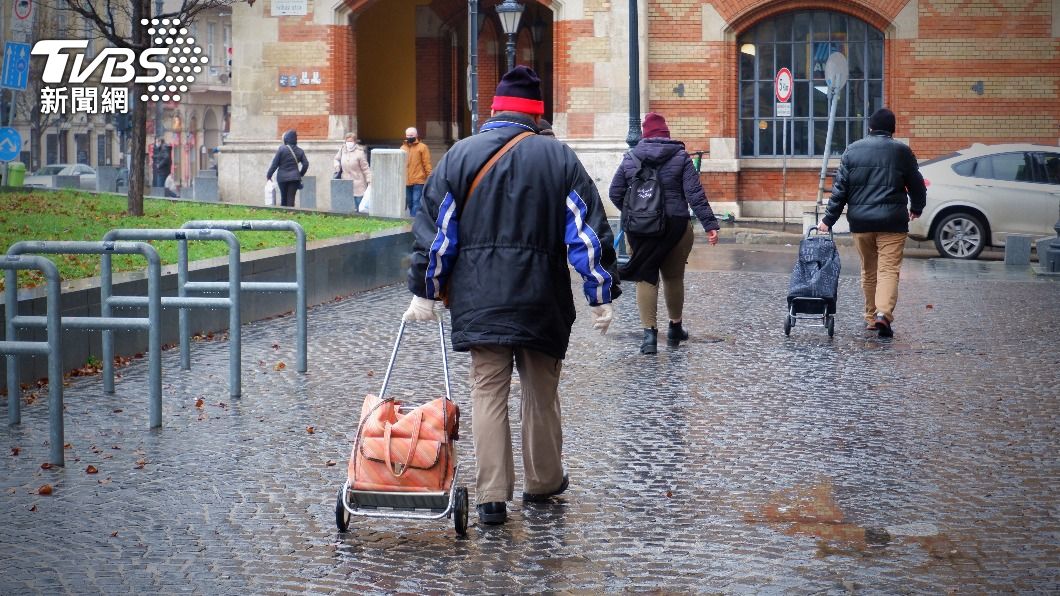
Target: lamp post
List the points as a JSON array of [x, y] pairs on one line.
[[510, 12], [634, 77], [158, 104]]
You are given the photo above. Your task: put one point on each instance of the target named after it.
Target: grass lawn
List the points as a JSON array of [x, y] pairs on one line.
[[72, 215]]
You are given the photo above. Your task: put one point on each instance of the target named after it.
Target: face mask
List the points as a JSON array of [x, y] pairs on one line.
[[410, 140], [350, 145]]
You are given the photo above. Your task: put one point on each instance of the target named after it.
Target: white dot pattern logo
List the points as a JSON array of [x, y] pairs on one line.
[[183, 58]]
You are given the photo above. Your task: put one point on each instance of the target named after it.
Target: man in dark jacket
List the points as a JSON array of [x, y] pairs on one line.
[[161, 161], [880, 183], [500, 257], [285, 164]]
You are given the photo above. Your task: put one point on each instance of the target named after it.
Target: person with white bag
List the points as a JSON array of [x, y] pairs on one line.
[[351, 163]]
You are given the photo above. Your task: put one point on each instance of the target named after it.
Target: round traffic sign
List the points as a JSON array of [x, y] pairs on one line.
[[836, 70], [23, 8], [783, 85]]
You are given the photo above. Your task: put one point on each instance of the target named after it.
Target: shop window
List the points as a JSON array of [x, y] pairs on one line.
[[801, 42]]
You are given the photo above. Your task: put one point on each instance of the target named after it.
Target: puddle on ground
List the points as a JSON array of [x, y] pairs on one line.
[[811, 510]]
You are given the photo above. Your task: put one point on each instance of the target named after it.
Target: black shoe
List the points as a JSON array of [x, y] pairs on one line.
[[545, 497], [494, 514], [650, 343], [883, 326], [675, 335]]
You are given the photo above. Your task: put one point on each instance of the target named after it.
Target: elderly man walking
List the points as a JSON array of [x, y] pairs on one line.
[[502, 215], [880, 184]]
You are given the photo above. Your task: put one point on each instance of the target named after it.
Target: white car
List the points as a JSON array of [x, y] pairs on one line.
[[43, 178], [979, 195]]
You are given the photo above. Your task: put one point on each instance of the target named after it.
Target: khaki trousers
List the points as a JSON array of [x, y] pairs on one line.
[[881, 259], [542, 431], [672, 274]]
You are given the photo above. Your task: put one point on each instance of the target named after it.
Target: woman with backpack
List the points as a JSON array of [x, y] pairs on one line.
[[653, 188]]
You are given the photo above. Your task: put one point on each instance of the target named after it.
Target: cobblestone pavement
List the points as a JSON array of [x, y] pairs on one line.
[[743, 461]]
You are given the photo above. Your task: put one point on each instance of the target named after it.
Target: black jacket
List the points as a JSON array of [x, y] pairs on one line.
[[677, 175], [874, 179], [503, 258], [284, 164]]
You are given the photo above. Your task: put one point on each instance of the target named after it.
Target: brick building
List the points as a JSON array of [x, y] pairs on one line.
[[955, 72]]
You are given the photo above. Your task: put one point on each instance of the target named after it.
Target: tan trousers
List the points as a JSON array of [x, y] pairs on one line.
[[672, 274], [881, 259], [542, 431]]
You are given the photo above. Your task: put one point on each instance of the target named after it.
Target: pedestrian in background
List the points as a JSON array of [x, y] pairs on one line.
[[418, 167], [351, 163], [161, 162], [285, 164], [879, 183], [501, 261], [665, 255]]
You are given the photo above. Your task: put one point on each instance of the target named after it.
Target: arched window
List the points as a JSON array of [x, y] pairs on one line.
[[801, 42]]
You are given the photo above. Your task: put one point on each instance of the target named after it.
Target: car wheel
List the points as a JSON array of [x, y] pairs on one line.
[[960, 236]]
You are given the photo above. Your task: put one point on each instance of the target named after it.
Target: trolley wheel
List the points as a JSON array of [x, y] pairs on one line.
[[342, 517], [460, 511], [831, 325], [787, 325]]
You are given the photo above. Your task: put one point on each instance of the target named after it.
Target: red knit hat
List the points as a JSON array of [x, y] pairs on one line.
[[519, 91], [654, 126]]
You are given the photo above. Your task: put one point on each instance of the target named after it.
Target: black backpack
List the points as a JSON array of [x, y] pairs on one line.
[[642, 210]]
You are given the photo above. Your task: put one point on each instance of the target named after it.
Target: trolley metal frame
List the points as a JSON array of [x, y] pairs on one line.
[[403, 505]]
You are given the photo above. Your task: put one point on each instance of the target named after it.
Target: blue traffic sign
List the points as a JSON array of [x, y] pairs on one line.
[[10, 144], [15, 73]]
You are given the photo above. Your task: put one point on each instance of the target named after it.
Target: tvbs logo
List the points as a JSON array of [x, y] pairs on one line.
[[173, 62]]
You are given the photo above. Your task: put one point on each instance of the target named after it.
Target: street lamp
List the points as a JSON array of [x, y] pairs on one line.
[[634, 77], [158, 105], [510, 12]]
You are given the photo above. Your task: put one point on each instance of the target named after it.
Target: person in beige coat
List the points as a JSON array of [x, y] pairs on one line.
[[351, 163]]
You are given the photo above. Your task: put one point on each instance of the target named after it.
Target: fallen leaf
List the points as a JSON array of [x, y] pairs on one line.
[[276, 346], [140, 463], [279, 366], [34, 508], [68, 446], [91, 470], [669, 494], [309, 429], [222, 405], [15, 451], [118, 411], [371, 373], [329, 463], [46, 466], [931, 306], [114, 534], [115, 447], [45, 489], [199, 403]]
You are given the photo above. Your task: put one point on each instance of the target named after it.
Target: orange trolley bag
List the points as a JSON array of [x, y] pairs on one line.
[[403, 463]]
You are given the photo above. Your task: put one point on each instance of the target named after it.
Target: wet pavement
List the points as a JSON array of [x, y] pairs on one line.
[[743, 461]]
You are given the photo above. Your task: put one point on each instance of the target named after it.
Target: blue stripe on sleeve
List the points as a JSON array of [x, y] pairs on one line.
[[584, 252], [443, 249]]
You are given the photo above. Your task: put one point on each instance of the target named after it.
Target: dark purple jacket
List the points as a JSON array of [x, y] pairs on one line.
[[679, 179]]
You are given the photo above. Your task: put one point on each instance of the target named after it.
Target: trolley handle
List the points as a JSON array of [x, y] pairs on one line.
[[393, 358], [814, 231]]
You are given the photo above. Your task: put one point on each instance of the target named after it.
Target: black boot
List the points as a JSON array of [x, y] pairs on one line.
[[675, 335], [651, 338]]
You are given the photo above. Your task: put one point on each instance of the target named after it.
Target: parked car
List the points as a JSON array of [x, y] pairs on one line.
[[43, 178], [979, 195]]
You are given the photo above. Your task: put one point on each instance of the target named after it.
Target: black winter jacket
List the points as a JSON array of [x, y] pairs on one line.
[[874, 179], [677, 175], [503, 258], [284, 164]]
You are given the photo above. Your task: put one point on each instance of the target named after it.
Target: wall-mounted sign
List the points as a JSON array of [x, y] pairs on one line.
[[288, 8], [293, 80]]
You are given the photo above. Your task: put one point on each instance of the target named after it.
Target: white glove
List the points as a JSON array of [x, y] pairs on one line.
[[602, 317], [421, 309]]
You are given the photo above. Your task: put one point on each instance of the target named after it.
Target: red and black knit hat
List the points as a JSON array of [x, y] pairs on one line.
[[519, 91]]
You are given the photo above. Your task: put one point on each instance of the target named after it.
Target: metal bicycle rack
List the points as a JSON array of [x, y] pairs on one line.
[[104, 322], [298, 286], [181, 301], [52, 348]]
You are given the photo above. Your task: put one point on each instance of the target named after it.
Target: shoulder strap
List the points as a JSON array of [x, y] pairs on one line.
[[489, 164]]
